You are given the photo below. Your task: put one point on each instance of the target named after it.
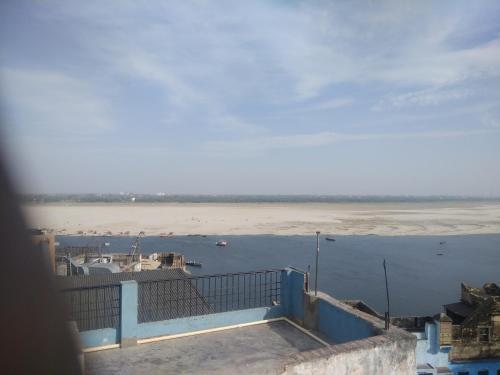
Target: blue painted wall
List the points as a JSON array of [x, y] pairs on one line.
[[99, 337], [202, 322], [128, 310], [428, 348], [474, 367], [341, 326], [292, 293], [292, 305]]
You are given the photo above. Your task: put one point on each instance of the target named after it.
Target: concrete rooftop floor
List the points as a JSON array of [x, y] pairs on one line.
[[257, 349]]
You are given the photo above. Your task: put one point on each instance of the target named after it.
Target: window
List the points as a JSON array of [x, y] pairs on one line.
[[463, 373], [483, 335], [456, 333], [483, 372]]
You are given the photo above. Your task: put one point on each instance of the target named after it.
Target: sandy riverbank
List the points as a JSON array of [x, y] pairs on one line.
[[265, 218]]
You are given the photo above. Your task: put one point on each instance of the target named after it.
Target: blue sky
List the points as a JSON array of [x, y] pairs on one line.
[[255, 97]]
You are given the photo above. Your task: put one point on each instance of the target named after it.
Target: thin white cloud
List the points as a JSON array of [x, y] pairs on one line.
[[333, 104], [244, 51], [325, 105], [426, 97], [230, 124], [246, 146]]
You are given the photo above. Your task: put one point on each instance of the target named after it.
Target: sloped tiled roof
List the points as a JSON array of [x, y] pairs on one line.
[[89, 281], [460, 309]]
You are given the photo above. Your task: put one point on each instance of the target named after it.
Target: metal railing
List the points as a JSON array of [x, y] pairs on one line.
[[95, 307], [191, 296]]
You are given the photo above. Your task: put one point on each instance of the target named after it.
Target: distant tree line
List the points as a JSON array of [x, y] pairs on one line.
[[158, 198]]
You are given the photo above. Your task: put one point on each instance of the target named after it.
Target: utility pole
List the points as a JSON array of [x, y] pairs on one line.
[[387, 314], [317, 257]]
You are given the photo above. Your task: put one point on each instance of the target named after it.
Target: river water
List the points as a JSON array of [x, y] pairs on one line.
[[420, 281]]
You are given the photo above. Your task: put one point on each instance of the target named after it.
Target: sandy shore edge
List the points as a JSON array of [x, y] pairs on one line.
[[385, 219]]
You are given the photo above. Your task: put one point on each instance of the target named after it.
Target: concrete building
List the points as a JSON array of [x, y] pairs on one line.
[[465, 339], [166, 321], [171, 260]]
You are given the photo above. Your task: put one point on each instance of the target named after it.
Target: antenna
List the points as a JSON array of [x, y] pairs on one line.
[[317, 256], [387, 313]]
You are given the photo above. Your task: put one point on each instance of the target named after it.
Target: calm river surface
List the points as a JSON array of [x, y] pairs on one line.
[[420, 281]]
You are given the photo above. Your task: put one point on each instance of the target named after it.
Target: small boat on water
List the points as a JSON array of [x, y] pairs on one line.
[[330, 239], [221, 243], [442, 242], [439, 254], [193, 263]]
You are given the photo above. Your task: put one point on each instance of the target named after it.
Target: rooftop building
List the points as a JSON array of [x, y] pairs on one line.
[[167, 321], [464, 339]]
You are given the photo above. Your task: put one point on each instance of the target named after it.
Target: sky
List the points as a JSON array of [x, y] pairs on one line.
[[252, 97]]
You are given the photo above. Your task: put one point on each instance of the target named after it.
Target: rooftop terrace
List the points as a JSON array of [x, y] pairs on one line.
[[259, 322], [254, 349]]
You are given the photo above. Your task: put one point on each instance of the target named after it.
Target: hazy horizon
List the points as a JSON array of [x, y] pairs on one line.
[[389, 98], [125, 197]]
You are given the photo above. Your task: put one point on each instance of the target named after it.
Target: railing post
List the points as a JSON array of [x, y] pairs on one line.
[[285, 291], [292, 293], [128, 313]]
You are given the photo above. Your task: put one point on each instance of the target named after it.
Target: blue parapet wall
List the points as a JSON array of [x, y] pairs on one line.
[[292, 293], [332, 318], [99, 337], [340, 324], [109, 336], [204, 322], [129, 330]]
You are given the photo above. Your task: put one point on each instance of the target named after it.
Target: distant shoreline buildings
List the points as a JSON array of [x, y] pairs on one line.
[[236, 198]]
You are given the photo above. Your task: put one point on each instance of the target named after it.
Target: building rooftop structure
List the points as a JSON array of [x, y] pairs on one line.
[[464, 339], [83, 281], [256, 322], [472, 326], [458, 311], [88, 260]]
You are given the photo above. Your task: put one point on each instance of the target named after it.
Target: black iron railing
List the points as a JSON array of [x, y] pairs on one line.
[[95, 307], [191, 296]]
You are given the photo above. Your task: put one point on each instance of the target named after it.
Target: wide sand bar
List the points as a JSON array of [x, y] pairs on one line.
[[443, 218]]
